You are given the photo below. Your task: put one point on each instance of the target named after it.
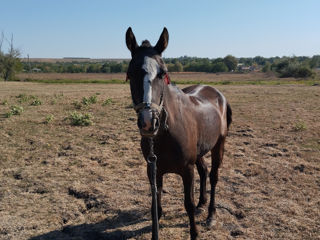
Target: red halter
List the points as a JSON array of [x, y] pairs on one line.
[[166, 79]]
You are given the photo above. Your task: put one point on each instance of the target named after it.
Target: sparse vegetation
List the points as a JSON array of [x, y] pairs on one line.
[[300, 126], [91, 100], [107, 102], [49, 118], [14, 110], [36, 102], [80, 119]]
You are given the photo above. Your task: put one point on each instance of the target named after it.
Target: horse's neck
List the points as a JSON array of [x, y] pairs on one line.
[[174, 99]]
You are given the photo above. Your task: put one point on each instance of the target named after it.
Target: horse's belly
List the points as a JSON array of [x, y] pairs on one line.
[[208, 133]]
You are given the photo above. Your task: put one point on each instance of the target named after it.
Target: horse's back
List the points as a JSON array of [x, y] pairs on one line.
[[205, 94]]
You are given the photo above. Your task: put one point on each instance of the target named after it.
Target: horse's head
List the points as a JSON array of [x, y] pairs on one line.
[[148, 74]]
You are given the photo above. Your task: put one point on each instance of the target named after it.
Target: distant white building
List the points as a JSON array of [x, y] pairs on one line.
[[36, 70]]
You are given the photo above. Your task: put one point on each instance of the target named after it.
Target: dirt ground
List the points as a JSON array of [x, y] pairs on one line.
[[59, 181]]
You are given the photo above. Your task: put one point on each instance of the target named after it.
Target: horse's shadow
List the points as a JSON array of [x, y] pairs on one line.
[[106, 229]]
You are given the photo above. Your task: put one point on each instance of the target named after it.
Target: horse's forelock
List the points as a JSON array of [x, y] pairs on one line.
[[145, 43]]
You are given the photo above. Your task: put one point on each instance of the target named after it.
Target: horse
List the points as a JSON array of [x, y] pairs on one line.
[[184, 124]]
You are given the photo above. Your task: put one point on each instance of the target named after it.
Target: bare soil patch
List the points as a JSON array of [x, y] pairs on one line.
[[59, 181]]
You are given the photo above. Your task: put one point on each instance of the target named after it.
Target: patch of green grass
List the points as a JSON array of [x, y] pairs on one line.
[[80, 119], [308, 82], [90, 100], [4, 102], [36, 102], [71, 81], [48, 119], [277, 81], [22, 97], [106, 102], [14, 110], [299, 126]]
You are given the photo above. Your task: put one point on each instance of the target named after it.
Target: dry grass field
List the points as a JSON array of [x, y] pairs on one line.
[[252, 78], [59, 181]]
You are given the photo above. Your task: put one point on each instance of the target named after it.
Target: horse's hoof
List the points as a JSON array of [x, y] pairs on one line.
[[199, 210], [211, 222]]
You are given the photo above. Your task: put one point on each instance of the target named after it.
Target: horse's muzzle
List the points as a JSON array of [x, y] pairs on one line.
[[148, 122]]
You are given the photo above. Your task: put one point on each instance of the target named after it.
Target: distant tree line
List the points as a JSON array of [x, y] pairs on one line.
[[76, 67], [284, 66]]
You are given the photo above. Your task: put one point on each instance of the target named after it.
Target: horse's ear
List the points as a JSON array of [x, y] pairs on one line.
[[163, 41], [131, 40]]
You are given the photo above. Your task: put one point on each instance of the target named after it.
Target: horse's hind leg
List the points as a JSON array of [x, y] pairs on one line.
[[203, 172], [216, 156]]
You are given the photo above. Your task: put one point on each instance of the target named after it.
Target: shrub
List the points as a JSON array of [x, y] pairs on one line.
[[48, 119], [292, 68], [22, 97], [107, 102], [299, 126], [14, 110], [304, 72], [91, 100], [266, 67], [79, 119], [36, 102]]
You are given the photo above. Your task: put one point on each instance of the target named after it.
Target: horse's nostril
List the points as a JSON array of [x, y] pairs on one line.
[[155, 124]]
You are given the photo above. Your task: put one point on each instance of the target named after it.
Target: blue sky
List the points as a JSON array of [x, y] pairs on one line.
[[204, 28]]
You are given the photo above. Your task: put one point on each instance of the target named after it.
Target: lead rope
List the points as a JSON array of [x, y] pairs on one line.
[[152, 165]]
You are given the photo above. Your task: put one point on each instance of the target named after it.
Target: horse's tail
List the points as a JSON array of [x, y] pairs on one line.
[[229, 115]]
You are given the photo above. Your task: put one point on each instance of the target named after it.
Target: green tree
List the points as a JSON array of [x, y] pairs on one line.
[[105, 68], [315, 61], [9, 62], [266, 67], [219, 67], [176, 67], [259, 60], [231, 62]]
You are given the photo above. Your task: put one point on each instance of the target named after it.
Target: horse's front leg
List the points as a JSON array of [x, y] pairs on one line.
[[188, 180], [159, 181], [159, 192]]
